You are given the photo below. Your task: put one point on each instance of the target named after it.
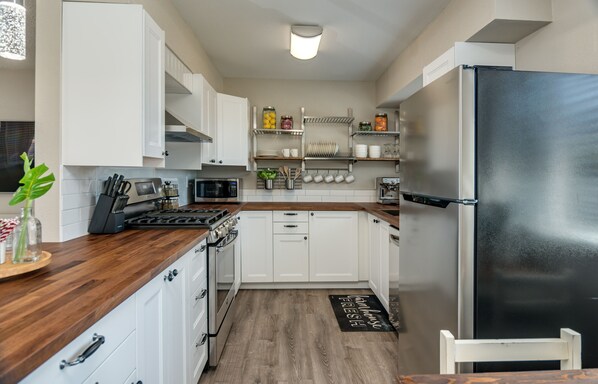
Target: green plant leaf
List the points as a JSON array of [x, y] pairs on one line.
[[33, 183]]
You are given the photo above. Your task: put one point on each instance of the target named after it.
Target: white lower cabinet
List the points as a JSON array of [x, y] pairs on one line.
[[256, 246], [333, 246], [114, 328], [379, 246], [290, 246], [157, 336], [291, 258]]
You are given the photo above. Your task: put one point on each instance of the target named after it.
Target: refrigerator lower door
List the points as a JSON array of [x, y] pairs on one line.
[[435, 279]]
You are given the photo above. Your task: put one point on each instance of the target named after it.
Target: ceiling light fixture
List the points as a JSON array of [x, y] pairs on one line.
[[12, 30], [305, 40]]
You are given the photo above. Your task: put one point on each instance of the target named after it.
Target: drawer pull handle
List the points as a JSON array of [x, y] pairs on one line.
[[201, 342], [98, 340], [201, 295], [290, 226], [290, 214], [175, 272], [201, 249], [169, 277]]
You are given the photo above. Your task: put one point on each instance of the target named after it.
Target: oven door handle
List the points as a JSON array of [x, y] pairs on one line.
[[222, 248]]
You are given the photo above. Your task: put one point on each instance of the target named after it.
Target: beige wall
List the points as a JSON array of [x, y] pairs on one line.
[[17, 103], [568, 44], [320, 98], [460, 20]]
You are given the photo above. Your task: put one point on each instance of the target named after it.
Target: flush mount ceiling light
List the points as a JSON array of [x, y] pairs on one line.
[[12, 30], [305, 40]]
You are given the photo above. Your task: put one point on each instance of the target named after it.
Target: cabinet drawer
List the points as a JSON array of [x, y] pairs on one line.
[[290, 228], [197, 265], [290, 216], [132, 379], [198, 350], [115, 327], [118, 366], [199, 306]]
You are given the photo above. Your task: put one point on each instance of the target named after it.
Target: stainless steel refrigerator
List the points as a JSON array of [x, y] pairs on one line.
[[499, 212]]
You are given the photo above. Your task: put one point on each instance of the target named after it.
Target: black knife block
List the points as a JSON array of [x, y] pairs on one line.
[[108, 216]]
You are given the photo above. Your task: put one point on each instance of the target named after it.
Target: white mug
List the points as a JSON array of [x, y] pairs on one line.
[[307, 178], [329, 178], [294, 152], [349, 179], [339, 179], [318, 178], [286, 152]]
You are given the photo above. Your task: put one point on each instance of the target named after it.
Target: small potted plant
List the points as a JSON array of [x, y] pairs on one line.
[[27, 235], [268, 175]]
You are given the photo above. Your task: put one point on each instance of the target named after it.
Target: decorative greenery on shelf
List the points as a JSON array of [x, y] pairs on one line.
[[33, 185], [267, 174]]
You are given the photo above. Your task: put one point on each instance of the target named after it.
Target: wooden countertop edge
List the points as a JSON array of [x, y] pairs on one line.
[[529, 377], [21, 364]]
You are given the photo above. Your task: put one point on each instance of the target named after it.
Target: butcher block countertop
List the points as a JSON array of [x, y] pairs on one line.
[[581, 376], [42, 311]]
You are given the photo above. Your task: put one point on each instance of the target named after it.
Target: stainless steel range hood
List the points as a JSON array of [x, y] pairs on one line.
[[180, 131]]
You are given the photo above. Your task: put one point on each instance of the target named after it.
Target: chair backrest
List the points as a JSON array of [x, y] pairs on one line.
[[567, 349]]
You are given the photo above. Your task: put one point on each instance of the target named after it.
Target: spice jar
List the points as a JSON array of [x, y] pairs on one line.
[[365, 126], [269, 117], [381, 122], [286, 122]]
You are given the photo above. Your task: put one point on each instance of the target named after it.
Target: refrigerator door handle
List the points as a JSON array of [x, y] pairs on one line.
[[435, 201]]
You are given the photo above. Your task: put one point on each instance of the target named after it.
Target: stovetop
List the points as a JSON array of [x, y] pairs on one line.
[[172, 218]]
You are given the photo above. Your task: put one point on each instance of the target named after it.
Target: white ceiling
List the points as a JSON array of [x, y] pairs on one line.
[[251, 38]]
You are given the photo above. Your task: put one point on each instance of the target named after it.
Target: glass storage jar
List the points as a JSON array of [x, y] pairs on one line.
[[269, 118], [381, 122], [365, 126], [286, 122]]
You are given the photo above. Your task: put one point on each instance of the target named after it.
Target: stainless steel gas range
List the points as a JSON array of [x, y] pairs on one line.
[[223, 240]]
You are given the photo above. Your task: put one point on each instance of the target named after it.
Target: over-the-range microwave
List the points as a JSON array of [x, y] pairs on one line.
[[217, 190]]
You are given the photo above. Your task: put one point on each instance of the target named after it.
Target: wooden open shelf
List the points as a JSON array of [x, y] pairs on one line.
[[277, 158]]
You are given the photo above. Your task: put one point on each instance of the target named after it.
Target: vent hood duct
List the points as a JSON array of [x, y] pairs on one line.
[[177, 130]]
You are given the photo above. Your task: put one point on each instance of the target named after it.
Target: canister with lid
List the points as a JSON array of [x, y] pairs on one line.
[[381, 122], [286, 122], [365, 126], [269, 118]]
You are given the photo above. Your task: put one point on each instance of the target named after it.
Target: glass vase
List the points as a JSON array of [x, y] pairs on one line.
[[27, 238]]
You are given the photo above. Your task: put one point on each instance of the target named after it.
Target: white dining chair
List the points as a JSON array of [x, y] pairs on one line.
[[567, 349]]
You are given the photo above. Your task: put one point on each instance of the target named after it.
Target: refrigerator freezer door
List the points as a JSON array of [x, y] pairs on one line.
[[429, 281], [537, 220], [437, 138]]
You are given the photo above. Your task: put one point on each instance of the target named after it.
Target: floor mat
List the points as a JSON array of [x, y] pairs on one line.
[[360, 313]]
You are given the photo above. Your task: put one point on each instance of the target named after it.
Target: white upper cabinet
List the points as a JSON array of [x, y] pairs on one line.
[[231, 139], [112, 86]]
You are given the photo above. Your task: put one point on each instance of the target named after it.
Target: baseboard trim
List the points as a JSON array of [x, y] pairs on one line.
[[306, 285]]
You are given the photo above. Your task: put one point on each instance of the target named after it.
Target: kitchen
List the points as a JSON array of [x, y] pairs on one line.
[[332, 98]]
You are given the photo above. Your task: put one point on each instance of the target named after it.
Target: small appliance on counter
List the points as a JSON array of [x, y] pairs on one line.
[[171, 196], [388, 190], [217, 190], [108, 215]]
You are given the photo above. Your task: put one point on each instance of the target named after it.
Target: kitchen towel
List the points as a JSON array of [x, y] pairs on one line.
[[360, 313]]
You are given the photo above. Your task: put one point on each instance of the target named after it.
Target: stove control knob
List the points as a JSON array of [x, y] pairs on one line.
[[218, 232], [234, 222]]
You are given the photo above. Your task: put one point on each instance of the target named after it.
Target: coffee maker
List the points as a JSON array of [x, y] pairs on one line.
[[388, 190]]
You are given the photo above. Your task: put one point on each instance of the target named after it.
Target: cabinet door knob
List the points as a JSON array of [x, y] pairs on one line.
[[213, 161], [204, 337], [312, 213], [305, 238], [220, 161], [169, 277], [175, 272], [166, 153]]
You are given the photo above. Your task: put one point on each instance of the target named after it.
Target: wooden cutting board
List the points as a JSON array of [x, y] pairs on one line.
[[9, 269]]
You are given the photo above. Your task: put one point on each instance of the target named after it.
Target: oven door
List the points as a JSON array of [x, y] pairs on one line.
[[221, 294], [217, 190]]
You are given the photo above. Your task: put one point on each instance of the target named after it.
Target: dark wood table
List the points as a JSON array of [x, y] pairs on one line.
[[582, 376]]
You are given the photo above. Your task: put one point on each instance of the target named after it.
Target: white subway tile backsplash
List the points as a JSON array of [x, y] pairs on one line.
[[317, 192], [341, 192], [78, 173], [71, 216], [74, 230], [362, 199], [284, 199], [258, 198], [310, 199], [78, 201], [364, 192], [336, 199]]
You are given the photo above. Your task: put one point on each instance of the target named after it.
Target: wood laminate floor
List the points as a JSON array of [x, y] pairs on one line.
[[292, 336]]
